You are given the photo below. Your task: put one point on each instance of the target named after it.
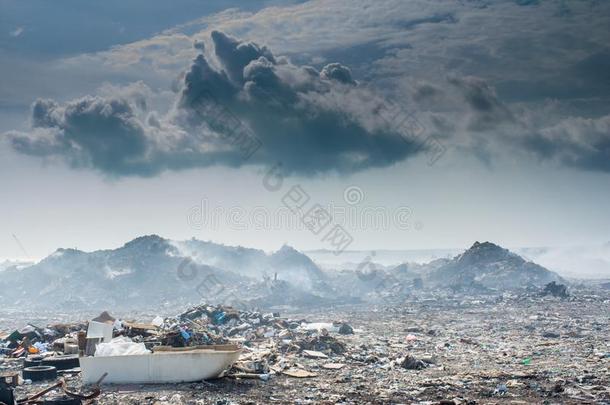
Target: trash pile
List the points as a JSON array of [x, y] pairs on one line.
[[256, 344], [33, 355], [268, 341], [34, 340], [207, 324], [40, 343], [217, 325]]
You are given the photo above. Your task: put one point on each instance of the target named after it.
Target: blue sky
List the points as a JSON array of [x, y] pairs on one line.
[[106, 133]]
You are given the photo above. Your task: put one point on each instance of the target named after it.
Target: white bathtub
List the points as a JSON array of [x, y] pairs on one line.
[[163, 366]]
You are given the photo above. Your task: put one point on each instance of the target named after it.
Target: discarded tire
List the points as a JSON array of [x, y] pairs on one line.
[[32, 361], [64, 362], [6, 395], [63, 400], [39, 373]]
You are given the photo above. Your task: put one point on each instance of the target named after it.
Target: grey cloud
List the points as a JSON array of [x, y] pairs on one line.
[[312, 121], [236, 55], [583, 143], [424, 92], [138, 92], [91, 131], [488, 111], [107, 135], [527, 2], [577, 142], [442, 123], [587, 79], [336, 71], [434, 19]]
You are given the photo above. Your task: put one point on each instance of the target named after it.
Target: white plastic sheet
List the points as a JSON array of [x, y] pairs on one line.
[[120, 346]]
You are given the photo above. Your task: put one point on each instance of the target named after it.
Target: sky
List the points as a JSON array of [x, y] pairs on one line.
[[405, 124]]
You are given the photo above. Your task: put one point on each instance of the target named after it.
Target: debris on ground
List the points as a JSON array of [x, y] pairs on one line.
[[412, 363], [436, 347], [556, 290]]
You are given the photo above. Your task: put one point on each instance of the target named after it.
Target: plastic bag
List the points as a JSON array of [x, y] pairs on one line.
[[120, 346]]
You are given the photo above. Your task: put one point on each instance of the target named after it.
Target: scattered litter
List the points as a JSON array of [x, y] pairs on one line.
[[519, 346]]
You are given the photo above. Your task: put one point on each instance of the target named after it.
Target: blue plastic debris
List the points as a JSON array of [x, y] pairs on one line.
[[218, 318], [185, 334]]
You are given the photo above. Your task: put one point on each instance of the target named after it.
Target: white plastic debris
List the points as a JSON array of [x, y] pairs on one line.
[[99, 330], [120, 346], [158, 321], [318, 326], [118, 325]]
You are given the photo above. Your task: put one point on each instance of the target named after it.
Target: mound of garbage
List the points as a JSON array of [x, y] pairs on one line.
[[486, 265], [266, 340]]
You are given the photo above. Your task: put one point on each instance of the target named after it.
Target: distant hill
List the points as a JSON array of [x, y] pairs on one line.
[[288, 263], [484, 267], [150, 271], [581, 262], [490, 266]]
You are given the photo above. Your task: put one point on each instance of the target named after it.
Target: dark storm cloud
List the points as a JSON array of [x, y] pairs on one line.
[[312, 121], [236, 55], [107, 135], [92, 131]]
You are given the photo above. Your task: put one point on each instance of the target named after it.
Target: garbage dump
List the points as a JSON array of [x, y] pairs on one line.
[[437, 347]]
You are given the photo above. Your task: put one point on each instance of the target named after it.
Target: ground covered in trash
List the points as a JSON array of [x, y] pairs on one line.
[[518, 349]]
